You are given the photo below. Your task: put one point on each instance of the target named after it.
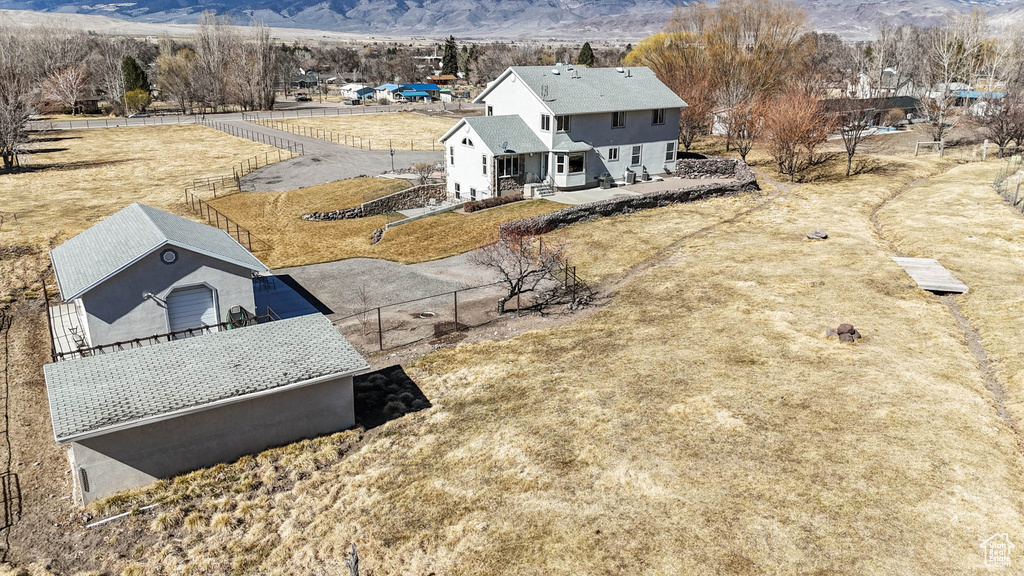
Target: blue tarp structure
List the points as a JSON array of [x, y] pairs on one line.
[[976, 94]]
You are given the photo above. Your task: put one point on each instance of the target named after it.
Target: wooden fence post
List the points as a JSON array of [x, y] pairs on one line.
[[380, 330]]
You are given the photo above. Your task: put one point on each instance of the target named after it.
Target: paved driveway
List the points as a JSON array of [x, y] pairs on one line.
[[337, 284], [323, 162]]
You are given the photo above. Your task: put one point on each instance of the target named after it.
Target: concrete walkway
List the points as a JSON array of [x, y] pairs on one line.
[[323, 162]]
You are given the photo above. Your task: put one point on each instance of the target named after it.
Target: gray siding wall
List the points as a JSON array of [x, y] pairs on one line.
[[138, 456], [116, 311]]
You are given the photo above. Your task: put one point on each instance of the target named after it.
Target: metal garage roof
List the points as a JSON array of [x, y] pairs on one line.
[[99, 394]]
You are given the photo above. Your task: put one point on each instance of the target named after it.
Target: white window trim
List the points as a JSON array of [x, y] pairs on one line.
[[670, 151], [547, 118], [655, 113], [483, 163], [613, 151], [619, 114], [639, 155], [560, 163], [568, 123]]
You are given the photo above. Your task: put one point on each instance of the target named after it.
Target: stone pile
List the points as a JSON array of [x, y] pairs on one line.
[[845, 332], [817, 234]]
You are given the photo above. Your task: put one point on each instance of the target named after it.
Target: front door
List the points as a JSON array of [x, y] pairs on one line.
[[543, 167]]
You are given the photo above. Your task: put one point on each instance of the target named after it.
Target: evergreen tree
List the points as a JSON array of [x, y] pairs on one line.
[[586, 57], [450, 60], [134, 76]]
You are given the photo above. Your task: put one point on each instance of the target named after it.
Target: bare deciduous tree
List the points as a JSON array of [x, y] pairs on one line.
[[952, 58], [794, 128], [523, 262], [852, 120], [1001, 120], [65, 86], [14, 87], [424, 170]]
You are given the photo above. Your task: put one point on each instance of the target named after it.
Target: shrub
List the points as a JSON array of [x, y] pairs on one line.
[[491, 202]]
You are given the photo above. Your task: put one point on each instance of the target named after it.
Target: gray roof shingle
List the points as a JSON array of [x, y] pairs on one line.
[[583, 90], [96, 392], [509, 130], [122, 238]]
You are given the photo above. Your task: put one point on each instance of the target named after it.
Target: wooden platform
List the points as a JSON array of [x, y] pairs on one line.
[[931, 276]]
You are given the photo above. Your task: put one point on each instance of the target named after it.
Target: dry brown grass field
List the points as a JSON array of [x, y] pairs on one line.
[[276, 218], [960, 221], [403, 130], [74, 179], [699, 423]]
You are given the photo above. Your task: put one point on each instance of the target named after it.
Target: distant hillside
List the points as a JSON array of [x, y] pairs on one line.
[[561, 19]]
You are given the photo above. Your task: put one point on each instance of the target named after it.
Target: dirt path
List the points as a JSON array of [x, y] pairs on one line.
[[971, 335]]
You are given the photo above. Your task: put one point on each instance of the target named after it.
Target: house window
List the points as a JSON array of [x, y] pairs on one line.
[[658, 116], [451, 155], [559, 163], [562, 123], [670, 151], [508, 166], [545, 123], [613, 154], [472, 194], [576, 162], [490, 110], [618, 119], [467, 142], [458, 191], [483, 163], [634, 158]]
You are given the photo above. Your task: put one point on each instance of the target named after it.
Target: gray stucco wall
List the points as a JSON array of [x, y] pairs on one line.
[[116, 311], [138, 456]]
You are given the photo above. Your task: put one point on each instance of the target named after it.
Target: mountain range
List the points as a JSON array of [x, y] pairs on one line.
[[537, 19]]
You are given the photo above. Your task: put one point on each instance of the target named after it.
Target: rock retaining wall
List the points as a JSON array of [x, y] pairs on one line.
[[415, 197], [746, 182], [704, 168]]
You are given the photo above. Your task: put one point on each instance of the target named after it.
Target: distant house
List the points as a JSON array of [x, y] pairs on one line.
[[875, 110], [172, 367], [565, 126], [305, 80], [143, 271], [443, 79], [432, 91], [388, 92], [356, 92]]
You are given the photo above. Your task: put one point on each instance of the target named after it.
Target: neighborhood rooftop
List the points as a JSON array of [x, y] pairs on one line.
[[130, 387], [123, 238], [581, 90], [501, 134]]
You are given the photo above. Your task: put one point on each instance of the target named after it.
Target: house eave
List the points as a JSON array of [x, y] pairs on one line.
[[202, 407]]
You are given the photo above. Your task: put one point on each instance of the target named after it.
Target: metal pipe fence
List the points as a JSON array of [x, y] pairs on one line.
[[1008, 182], [353, 140], [282, 143], [219, 220]]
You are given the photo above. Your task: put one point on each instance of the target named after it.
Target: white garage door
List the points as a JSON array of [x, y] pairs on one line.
[[191, 308]]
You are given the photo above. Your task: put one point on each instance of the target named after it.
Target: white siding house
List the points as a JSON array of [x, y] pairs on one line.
[[566, 126]]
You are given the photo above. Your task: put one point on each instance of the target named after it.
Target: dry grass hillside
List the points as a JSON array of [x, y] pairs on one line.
[[700, 423], [276, 217]]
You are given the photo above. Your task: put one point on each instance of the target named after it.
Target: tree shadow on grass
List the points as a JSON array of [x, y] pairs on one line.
[[54, 138], [62, 167], [42, 150], [385, 395]]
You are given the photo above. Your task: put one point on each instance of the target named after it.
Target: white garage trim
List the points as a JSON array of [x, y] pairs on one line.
[[191, 306]]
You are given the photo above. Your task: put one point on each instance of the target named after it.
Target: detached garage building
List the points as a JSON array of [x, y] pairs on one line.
[[137, 415]]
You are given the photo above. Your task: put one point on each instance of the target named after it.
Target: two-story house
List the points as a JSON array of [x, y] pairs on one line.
[[564, 125]]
